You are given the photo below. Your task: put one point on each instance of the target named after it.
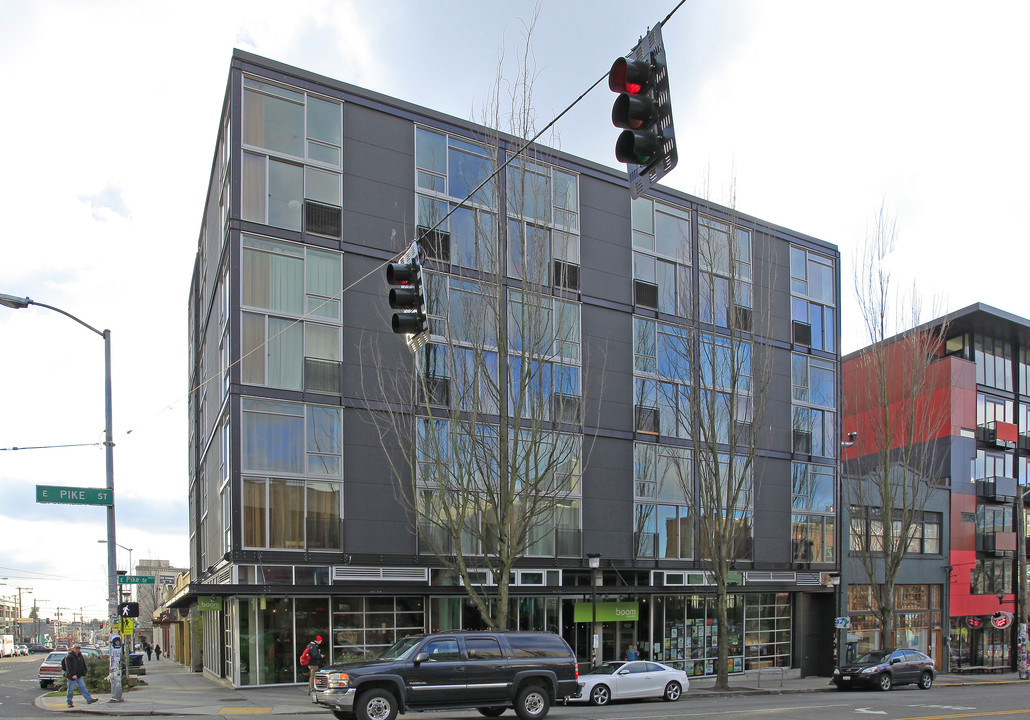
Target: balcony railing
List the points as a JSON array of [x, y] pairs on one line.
[[998, 433], [998, 544], [997, 489]]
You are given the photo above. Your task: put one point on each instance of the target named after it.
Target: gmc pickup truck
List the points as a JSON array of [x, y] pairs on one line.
[[489, 671]]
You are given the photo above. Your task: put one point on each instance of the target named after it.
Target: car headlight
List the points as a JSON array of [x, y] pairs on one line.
[[338, 680], [870, 670]]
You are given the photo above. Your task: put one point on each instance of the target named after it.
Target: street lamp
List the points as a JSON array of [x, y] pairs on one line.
[[129, 549], [594, 560], [17, 303]]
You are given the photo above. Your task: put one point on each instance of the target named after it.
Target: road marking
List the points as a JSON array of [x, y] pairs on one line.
[[667, 716], [867, 711], [944, 707], [970, 715], [245, 711]]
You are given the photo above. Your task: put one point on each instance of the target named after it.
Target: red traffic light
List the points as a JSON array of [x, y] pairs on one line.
[[630, 76], [402, 273], [408, 297]]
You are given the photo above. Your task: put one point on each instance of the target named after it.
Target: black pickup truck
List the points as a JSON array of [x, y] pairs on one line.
[[489, 671]]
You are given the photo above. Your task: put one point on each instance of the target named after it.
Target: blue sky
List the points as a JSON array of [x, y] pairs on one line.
[[817, 111]]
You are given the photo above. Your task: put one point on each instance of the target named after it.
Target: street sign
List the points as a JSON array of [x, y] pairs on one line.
[[135, 580], [843, 623], [74, 495]]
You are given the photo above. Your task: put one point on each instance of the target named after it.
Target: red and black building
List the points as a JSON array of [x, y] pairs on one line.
[[962, 593]]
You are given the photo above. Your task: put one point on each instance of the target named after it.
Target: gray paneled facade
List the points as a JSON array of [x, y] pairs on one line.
[[298, 540]]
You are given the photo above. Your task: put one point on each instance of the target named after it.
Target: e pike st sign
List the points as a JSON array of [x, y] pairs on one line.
[[74, 495]]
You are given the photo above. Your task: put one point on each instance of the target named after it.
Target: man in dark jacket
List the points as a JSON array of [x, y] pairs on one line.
[[316, 661], [74, 666]]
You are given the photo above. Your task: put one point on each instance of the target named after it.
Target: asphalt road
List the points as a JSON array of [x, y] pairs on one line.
[[904, 703], [19, 687]]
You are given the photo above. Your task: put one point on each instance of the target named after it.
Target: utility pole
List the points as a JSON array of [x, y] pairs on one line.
[[35, 606], [20, 616], [1021, 589]]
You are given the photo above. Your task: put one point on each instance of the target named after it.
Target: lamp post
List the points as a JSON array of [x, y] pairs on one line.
[[17, 303], [128, 549], [594, 559]]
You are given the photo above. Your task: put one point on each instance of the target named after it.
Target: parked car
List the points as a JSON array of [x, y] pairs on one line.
[[884, 669], [22, 649], [632, 680], [37, 648], [488, 671], [50, 669]]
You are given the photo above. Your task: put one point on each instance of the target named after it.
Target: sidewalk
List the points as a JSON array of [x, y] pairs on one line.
[[172, 690]]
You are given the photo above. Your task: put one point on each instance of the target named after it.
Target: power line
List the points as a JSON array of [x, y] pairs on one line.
[[51, 447], [424, 234]]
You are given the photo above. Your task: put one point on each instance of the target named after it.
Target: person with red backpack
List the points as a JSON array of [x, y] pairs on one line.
[[311, 658]]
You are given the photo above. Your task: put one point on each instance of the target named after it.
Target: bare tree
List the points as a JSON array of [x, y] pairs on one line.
[[891, 475], [727, 406], [713, 369], [493, 420]]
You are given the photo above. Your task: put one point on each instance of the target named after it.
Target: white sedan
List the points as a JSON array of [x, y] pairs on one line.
[[630, 680]]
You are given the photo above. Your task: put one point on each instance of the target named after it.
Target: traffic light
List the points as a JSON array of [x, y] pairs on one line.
[[644, 111], [1002, 619], [128, 610], [407, 296]]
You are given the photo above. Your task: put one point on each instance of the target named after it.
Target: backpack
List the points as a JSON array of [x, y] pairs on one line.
[[305, 657]]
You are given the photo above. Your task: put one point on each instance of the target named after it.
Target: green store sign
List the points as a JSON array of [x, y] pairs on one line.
[[606, 611], [207, 603]]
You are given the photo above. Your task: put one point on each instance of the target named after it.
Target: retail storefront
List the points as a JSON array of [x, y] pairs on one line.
[[975, 642], [918, 617], [257, 640]]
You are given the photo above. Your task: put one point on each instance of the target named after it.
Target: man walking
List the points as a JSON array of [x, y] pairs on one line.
[[74, 666], [315, 662]]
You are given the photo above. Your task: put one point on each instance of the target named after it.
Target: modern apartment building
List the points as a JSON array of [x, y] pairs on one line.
[[298, 526], [961, 569]]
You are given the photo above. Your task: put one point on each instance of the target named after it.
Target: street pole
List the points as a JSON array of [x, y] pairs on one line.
[[112, 570], [1021, 590], [594, 559]]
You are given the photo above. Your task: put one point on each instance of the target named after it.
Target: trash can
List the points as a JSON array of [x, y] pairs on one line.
[[136, 664]]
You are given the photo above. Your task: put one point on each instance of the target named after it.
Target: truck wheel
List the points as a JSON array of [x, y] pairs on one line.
[[491, 711], [532, 703], [376, 704]]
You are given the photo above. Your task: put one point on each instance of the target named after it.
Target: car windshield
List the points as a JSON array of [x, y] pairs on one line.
[[401, 649], [606, 669], [875, 657]]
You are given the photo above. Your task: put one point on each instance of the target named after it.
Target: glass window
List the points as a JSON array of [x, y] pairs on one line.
[[813, 381], [993, 362], [271, 122], [280, 437]]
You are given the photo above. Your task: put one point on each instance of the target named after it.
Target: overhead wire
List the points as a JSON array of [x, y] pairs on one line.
[[424, 234]]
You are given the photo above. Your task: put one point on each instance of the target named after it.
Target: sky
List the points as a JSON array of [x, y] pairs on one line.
[[817, 113]]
